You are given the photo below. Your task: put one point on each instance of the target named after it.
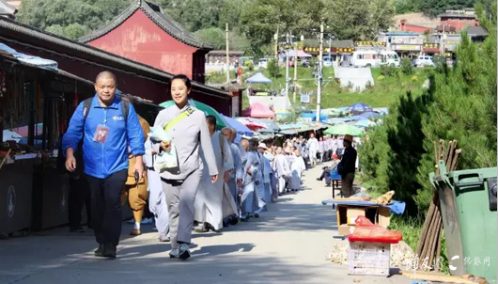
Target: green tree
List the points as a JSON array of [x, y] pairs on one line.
[[405, 6], [359, 20], [75, 31], [215, 37], [433, 8], [261, 20], [75, 17]]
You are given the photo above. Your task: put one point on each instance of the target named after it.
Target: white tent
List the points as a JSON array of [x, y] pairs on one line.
[[258, 78]]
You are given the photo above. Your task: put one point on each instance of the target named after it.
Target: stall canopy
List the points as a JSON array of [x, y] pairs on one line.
[[299, 53], [258, 78], [359, 108], [220, 120], [239, 127], [29, 59], [344, 129], [259, 110]]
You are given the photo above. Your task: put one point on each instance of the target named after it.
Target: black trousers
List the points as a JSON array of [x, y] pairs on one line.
[[106, 206], [79, 196]]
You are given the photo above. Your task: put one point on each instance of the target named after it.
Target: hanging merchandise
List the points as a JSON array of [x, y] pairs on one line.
[[3, 84]]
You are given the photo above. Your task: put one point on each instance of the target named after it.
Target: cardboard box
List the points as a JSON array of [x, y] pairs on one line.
[[346, 229], [347, 214], [384, 216], [353, 213]]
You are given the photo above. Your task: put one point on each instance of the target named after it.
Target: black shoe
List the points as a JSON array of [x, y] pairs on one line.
[[256, 215], [234, 220], [99, 251], [109, 251], [184, 251]]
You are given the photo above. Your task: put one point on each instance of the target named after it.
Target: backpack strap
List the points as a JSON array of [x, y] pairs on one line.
[[125, 109], [87, 103]]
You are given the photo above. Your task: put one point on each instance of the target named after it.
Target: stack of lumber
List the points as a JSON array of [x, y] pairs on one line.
[[429, 245]]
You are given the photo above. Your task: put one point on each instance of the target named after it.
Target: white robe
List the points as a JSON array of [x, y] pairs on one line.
[[209, 199], [297, 168], [157, 198]]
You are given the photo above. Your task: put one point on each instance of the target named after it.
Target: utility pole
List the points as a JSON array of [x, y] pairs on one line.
[[320, 75], [227, 53], [287, 67], [295, 74], [276, 44]]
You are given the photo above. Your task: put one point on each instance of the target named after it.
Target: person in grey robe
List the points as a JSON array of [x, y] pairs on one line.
[[209, 199], [251, 179], [188, 132], [234, 178]]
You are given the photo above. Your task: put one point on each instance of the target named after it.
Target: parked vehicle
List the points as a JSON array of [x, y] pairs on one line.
[[389, 58], [423, 61], [366, 58], [263, 63]]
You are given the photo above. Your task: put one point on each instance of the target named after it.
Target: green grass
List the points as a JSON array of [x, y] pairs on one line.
[[386, 89]]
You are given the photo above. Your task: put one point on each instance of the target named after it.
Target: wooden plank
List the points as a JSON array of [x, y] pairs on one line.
[[435, 238], [454, 163], [428, 251], [451, 151], [452, 155], [425, 227], [451, 227], [431, 276], [425, 252]]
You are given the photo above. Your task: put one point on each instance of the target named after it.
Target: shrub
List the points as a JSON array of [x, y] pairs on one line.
[[273, 68], [389, 71], [406, 66]]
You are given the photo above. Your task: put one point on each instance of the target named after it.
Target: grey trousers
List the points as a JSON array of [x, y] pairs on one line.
[[347, 185], [180, 199]]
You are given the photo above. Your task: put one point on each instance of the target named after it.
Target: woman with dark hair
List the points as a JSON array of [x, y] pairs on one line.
[[188, 131]]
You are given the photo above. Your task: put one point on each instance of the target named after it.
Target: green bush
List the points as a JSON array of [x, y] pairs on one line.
[[389, 71], [273, 68], [249, 65], [406, 66]]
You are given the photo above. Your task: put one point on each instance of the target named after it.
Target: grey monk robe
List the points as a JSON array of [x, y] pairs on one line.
[[187, 136]]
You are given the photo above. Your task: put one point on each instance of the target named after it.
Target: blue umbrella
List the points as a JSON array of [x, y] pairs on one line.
[[359, 108], [369, 115], [240, 128]]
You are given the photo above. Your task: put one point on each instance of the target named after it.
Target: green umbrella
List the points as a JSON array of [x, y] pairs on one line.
[[343, 129], [220, 121]]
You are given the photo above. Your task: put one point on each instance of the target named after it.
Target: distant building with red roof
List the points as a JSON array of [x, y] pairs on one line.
[[457, 20], [143, 33]]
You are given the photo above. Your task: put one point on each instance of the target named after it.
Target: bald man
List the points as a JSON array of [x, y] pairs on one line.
[[109, 131]]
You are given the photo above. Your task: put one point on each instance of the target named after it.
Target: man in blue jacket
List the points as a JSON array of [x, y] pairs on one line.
[[109, 134]]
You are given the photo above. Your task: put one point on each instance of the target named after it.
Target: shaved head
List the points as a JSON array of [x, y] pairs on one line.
[[106, 75]]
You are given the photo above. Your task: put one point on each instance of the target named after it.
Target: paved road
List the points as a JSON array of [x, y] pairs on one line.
[[288, 244]]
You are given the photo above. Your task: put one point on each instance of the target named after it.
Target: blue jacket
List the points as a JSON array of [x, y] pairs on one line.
[[103, 159]]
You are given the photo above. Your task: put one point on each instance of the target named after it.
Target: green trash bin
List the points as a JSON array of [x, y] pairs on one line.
[[475, 195]]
